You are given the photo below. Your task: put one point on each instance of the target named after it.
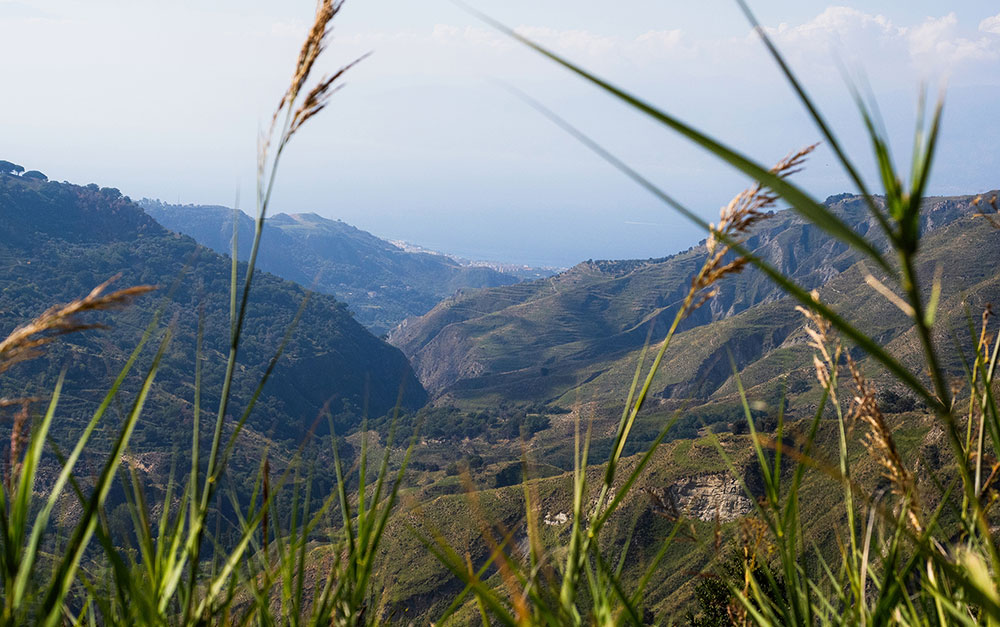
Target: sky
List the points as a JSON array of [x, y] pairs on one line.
[[426, 142]]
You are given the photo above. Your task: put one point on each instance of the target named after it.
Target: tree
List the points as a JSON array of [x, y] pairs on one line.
[[715, 605], [6, 167], [35, 175]]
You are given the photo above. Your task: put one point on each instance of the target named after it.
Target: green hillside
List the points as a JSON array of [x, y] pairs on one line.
[[58, 241], [576, 337], [514, 368]]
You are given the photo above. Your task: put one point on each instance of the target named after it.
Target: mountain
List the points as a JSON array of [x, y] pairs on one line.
[[574, 340], [577, 336], [58, 241], [380, 282]]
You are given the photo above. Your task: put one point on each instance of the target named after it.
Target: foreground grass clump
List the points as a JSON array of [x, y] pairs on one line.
[[252, 567], [900, 556]]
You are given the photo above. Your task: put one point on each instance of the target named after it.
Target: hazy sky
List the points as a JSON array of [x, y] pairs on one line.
[[165, 99]]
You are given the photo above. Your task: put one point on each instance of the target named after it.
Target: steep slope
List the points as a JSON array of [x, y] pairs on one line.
[[381, 283], [688, 474], [58, 240], [768, 345], [581, 331]]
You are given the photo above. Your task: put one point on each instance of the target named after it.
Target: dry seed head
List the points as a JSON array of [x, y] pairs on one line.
[[754, 533], [663, 503], [880, 443], [748, 207], [827, 346], [735, 219], [26, 341], [822, 372], [317, 98], [984, 335], [991, 216], [18, 436], [956, 387], [311, 48]]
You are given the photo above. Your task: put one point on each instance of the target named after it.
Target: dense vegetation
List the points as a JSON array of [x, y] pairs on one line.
[[505, 421], [57, 241]]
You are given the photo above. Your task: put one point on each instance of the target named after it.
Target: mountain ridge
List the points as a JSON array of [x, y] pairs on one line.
[[570, 328], [381, 283]]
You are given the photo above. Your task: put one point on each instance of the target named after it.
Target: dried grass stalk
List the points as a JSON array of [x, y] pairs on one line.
[[864, 407], [19, 433], [827, 346], [318, 97], [312, 47], [735, 219], [993, 211], [880, 444], [26, 341]]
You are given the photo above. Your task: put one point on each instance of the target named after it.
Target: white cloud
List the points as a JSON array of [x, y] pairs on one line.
[[837, 25], [660, 38], [889, 51], [936, 45], [573, 42], [937, 42], [991, 25]]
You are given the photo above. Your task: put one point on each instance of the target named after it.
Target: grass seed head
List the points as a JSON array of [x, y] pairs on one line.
[[880, 444], [19, 432], [991, 209], [826, 344], [28, 341], [298, 113], [25, 342], [312, 47], [735, 219]]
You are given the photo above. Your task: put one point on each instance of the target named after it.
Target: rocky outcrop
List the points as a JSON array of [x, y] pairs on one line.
[[708, 497]]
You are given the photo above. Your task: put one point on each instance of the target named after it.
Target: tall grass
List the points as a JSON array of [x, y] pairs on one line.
[[897, 559], [267, 574]]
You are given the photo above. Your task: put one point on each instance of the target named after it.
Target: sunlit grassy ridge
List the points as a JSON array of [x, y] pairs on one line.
[[586, 326]]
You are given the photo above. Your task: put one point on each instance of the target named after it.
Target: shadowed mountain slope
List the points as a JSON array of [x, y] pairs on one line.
[[57, 241]]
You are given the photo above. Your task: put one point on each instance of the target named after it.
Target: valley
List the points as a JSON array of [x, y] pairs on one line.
[[215, 416]]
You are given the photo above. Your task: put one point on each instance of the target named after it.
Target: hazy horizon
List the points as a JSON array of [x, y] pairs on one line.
[[425, 144]]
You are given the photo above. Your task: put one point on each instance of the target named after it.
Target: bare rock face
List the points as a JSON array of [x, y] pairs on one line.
[[707, 497]]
